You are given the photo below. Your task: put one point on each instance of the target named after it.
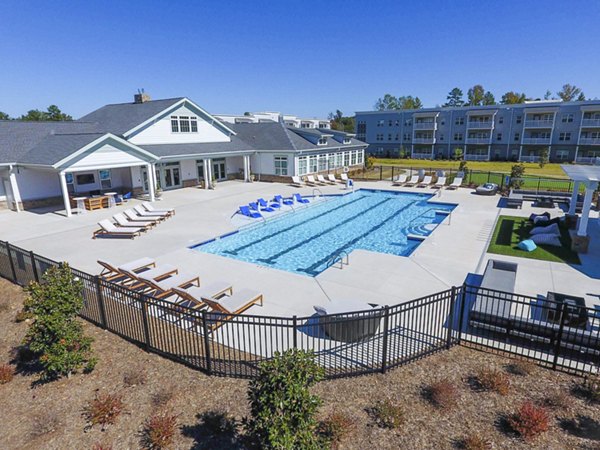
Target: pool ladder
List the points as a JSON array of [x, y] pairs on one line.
[[317, 190], [339, 257]]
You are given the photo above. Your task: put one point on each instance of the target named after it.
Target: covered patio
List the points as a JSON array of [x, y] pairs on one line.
[[587, 176]]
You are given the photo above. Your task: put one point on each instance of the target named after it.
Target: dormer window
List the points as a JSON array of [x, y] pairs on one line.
[[322, 141], [184, 124], [346, 141]]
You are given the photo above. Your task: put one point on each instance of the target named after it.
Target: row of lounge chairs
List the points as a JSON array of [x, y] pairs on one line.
[[310, 180], [422, 180], [178, 289], [254, 209], [133, 222]]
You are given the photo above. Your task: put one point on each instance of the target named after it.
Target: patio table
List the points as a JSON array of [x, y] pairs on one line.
[[81, 209], [111, 199]]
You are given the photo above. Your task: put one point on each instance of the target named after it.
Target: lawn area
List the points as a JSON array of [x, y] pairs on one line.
[[549, 170], [511, 230]]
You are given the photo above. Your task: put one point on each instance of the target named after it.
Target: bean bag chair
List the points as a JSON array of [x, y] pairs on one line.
[[546, 239], [533, 216], [528, 245], [550, 229]]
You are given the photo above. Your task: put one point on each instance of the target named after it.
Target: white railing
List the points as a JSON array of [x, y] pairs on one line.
[[478, 140], [425, 126], [478, 124], [590, 123], [587, 159], [536, 141], [530, 158], [476, 157], [589, 141], [539, 123], [423, 140]]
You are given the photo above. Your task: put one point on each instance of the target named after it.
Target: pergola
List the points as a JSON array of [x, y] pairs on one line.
[[588, 176]]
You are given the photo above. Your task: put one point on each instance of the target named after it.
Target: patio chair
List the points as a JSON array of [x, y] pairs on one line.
[[456, 183], [413, 181], [165, 287], [425, 182], [109, 229], [285, 201], [140, 279], [400, 180], [256, 207], [263, 204], [310, 180], [440, 182], [122, 221], [343, 178], [192, 296], [245, 211], [153, 215], [327, 180], [332, 179], [230, 305], [297, 182], [321, 179], [299, 199], [112, 272], [150, 208], [133, 217]]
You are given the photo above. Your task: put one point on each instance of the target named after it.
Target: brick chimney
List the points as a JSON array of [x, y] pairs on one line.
[[141, 97]]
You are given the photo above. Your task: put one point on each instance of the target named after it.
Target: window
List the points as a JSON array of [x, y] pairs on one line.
[[441, 136], [359, 157], [519, 119], [397, 123], [105, 179], [184, 124], [70, 182], [353, 158], [501, 119], [567, 118], [389, 137], [459, 121], [562, 155], [390, 123], [346, 141], [397, 137], [443, 122], [499, 136], [406, 136], [564, 137], [407, 123], [85, 178], [312, 164], [322, 163], [322, 141], [281, 165], [380, 123], [517, 136], [339, 159], [302, 165], [346, 159], [458, 136]]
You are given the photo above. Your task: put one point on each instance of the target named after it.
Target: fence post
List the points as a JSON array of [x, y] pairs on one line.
[[295, 336], [100, 302], [384, 351], [463, 301], [393, 167], [489, 175], [563, 315], [34, 267], [144, 304], [12, 263], [451, 318], [380, 173], [538, 187], [206, 344]]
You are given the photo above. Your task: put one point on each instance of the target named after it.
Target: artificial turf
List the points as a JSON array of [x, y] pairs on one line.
[[511, 230]]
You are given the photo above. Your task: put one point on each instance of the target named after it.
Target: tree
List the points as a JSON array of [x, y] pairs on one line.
[[4, 116], [488, 98], [544, 157], [387, 102], [53, 113], [475, 95], [341, 123], [458, 153], [409, 102], [516, 176], [34, 115], [569, 93], [548, 95], [454, 98], [512, 98], [581, 97]]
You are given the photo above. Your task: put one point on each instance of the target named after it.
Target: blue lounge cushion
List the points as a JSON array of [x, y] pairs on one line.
[[528, 245], [285, 201], [245, 210], [299, 199], [263, 203]]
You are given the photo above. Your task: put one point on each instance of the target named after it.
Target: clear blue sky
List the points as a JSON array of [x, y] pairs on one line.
[[302, 57]]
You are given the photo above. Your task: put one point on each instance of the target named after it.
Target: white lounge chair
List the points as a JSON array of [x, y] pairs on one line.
[[321, 179], [425, 182], [455, 183], [343, 178], [413, 181], [192, 296], [296, 181], [111, 272], [166, 286], [440, 182], [147, 214], [141, 279], [122, 221], [133, 217], [150, 208], [400, 180], [310, 180], [109, 229], [332, 179]]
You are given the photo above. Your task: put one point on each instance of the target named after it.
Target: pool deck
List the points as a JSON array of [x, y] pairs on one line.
[[457, 247]]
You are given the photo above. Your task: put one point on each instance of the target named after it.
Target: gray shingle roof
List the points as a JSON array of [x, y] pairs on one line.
[[54, 148], [264, 136], [122, 117], [171, 150]]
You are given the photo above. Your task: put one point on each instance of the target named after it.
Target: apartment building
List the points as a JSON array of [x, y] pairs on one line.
[[271, 116], [569, 130]]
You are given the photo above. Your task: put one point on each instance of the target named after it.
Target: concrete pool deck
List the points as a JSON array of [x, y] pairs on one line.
[[457, 247]]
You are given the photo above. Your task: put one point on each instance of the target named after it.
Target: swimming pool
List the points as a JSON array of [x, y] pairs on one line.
[[305, 241]]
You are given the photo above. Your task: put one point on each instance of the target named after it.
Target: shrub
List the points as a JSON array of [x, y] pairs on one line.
[[387, 414], [45, 423], [555, 400], [516, 176], [55, 335], [493, 380], [335, 427], [476, 442], [103, 410], [219, 422], [529, 421], [282, 408], [443, 394], [522, 367], [159, 430], [135, 377], [7, 372], [163, 397]]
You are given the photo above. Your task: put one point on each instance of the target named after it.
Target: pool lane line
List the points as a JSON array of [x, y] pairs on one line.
[[271, 259], [311, 269], [244, 247]]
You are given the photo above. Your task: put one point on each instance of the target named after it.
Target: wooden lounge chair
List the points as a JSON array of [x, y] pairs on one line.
[[122, 221], [332, 179], [343, 178], [150, 208], [297, 182], [310, 180], [143, 213], [192, 296], [111, 272], [400, 180], [133, 217], [165, 287], [235, 303], [109, 229], [140, 279], [321, 180]]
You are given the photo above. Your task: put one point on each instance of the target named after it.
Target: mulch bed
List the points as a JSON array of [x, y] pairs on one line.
[[50, 415]]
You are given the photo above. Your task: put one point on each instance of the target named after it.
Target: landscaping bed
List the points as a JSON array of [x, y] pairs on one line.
[[209, 409], [510, 230]]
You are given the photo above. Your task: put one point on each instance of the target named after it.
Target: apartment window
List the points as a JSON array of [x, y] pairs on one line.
[[458, 136], [564, 137], [501, 119], [339, 159], [281, 165], [174, 124], [517, 136], [519, 119], [380, 123], [397, 137], [397, 123], [562, 155], [459, 121], [302, 165], [407, 123], [499, 136], [390, 123], [184, 124], [567, 118], [443, 122], [322, 141], [441, 136], [312, 164], [362, 127], [389, 137], [105, 179]]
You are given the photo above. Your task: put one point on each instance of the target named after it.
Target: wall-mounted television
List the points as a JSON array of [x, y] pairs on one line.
[[86, 178]]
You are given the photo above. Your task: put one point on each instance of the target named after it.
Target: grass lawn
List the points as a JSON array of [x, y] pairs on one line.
[[549, 170], [511, 230]]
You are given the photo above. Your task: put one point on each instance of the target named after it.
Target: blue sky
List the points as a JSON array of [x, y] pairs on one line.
[[303, 57]]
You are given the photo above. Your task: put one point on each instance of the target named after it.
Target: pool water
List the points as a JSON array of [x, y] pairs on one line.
[[305, 241]]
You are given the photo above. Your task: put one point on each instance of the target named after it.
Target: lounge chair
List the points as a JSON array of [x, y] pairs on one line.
[[299, 199], [425, 182], [122, 221], [285, 201], [321, 179], [256, 207], [246, 211], [343, 178], [111, 272], [310, 180], [152, 215], [440, 182], [456, 183], [296, 181], [400, 180], [192, 296], [109, 229], [165, 287], [235, 303], [263, 204], [148, 207], [332, 179], [133, 217], [413, 181], [140, 279]]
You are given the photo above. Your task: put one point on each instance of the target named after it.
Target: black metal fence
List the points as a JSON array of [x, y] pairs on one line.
[[344, 344]]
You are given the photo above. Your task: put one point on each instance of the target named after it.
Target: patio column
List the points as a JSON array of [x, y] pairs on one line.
[[65, 193], [246, 168], [590, 187], [15, 188], [573, 205], [207, 178], [151, 182]]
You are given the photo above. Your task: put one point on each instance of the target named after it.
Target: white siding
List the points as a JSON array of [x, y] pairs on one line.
[[160, 132], [265, 163], [34, 184], [188, 169], [136, 176], [107, 156]]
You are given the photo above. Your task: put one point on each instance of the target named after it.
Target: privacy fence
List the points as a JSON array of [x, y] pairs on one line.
[[471, 177], [559, 335]]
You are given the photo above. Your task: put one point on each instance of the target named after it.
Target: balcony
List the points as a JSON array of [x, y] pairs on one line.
[[589, 141], [590, 123], [480, 125], [476, 157], [587, 159], [479, 140], [539, 123], [417, 140], [536, 141], [530, 158], [424, 126]]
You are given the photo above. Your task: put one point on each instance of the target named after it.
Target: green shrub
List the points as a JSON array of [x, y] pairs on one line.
[[55, 335], [516, 176], [283, 411]]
